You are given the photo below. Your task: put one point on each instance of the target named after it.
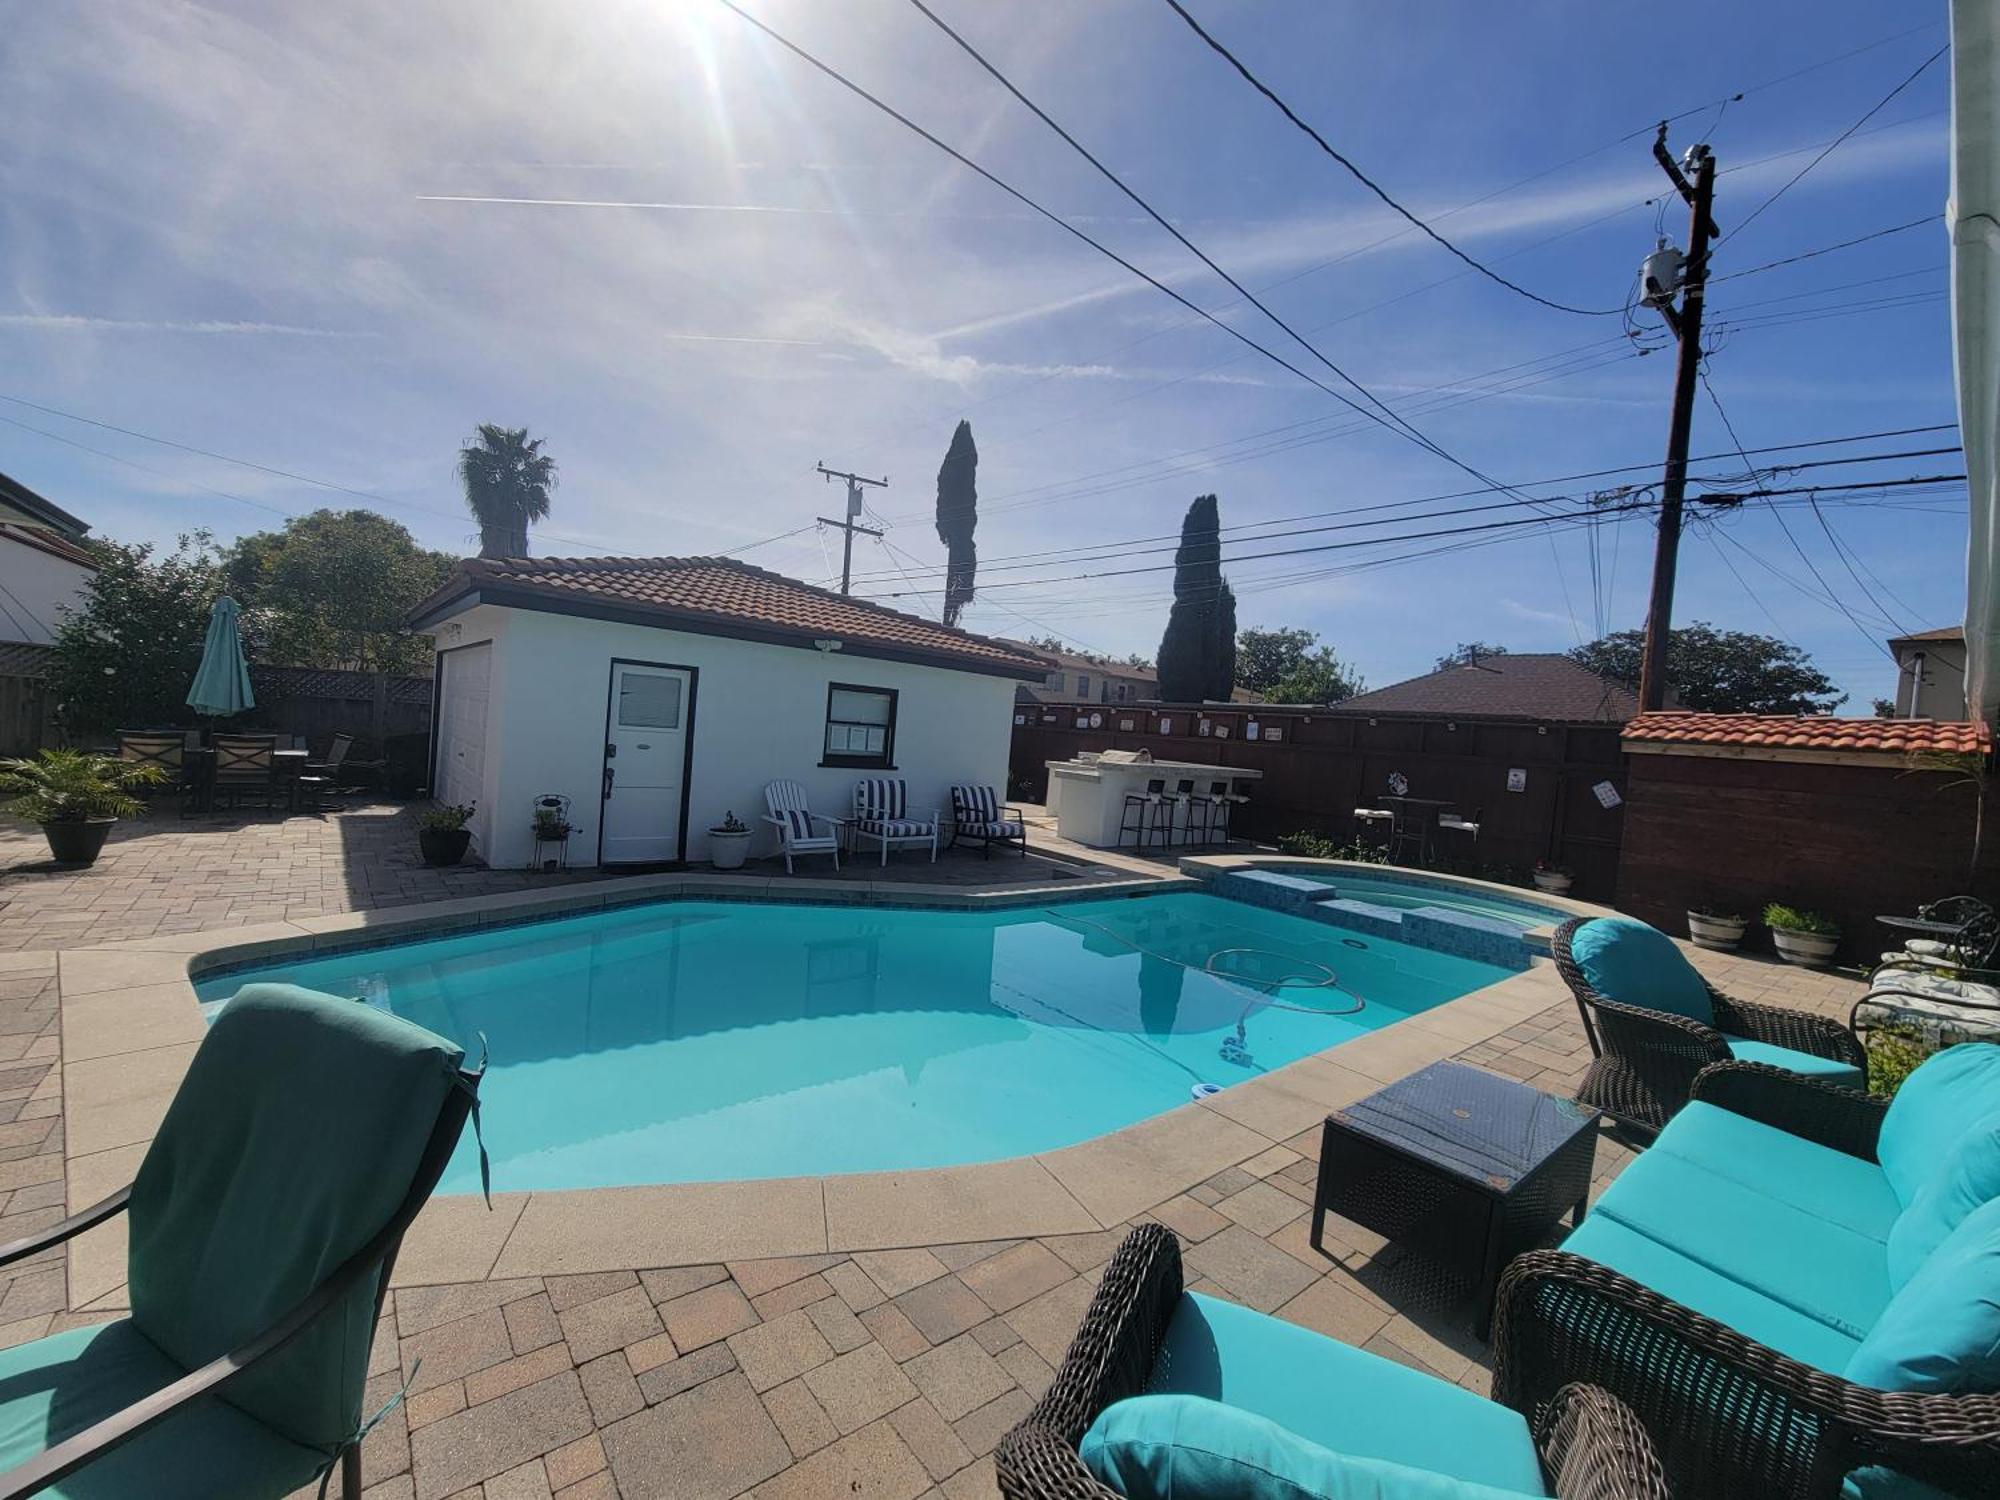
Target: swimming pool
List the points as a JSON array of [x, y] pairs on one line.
[[1411, 895], [702, 1041]]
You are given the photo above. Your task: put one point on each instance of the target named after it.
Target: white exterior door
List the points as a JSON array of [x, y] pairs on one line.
[[645, 760], [466, 677]]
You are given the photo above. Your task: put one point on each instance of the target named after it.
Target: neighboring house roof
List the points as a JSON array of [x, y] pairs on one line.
[[53, 543], [1753, 733], [719, 596], [25, 500], [1512, 685], [1076, 661], [25, 659], [1944, 633]]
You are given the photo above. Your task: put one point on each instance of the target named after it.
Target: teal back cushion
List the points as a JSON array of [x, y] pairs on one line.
[[1937, 1105], [1941, 1333], [1627, 961], [293, 1140], [1968, 1177], [1191, 1448]]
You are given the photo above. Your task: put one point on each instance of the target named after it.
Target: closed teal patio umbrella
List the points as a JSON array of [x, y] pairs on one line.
[[222, 681]]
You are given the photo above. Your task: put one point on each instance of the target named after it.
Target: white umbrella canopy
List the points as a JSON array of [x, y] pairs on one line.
[[1974, 218]]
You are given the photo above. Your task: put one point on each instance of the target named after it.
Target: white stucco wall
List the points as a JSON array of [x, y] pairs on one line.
[[38, 588], [760, 714]]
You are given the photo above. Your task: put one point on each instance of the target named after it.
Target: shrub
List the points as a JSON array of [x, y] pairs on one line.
[[445, 818], [1893, 1054], [1791, 919], [1308, 845], [70, 786]]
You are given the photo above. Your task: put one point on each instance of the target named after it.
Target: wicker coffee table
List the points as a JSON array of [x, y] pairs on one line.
[[1459, 1164]]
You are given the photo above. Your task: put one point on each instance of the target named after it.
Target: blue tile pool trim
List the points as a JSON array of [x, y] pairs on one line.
[[1435, 927]]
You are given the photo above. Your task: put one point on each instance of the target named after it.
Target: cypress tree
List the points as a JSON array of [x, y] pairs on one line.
[[1198, 650], [957, 515]]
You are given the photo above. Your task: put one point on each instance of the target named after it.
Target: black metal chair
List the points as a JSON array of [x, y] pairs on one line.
[[165, 748], [1197, 812], [245, 766], [1148, 816]]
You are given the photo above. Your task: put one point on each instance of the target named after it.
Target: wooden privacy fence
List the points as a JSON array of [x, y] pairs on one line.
[[318, 703], [1539, 790]]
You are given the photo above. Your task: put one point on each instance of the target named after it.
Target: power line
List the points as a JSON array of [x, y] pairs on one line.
[[119, 458], [1790, 260], [1832, 145], [1389, 420], [1366, 181]]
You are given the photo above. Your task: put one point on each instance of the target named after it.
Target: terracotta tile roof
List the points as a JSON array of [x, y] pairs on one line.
[[1511, 685], [720, 596], [1813, 732]]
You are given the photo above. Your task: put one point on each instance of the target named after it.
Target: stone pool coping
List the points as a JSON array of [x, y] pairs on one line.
[[130, 1024]]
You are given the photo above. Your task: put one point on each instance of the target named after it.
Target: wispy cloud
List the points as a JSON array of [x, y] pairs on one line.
[[82, 322]]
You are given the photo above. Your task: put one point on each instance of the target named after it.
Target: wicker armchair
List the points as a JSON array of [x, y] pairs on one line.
[[1646, 1060], [1730, 1416], [1592, 1446]]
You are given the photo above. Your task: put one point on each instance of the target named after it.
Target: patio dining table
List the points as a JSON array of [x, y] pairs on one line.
[[286, 768]]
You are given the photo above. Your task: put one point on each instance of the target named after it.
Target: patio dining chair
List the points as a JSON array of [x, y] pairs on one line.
[[261, 1245], [978, 814], [1170, 1392], [796, 823], [245, 766], [166, 748], [882, 812], [1653, 1023]]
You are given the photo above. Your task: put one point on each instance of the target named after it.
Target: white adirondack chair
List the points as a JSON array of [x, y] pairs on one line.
[[797, 824]]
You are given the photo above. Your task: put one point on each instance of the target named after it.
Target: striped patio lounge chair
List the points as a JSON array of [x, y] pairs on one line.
[[882, 813], [977, 813], [795, 824]]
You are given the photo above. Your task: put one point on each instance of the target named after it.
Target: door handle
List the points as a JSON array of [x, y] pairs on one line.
[[608, 775]]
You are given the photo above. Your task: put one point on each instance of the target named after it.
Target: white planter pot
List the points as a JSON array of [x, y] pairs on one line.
[[727, 851], [1554, 884], [1719, 933], [1813, 950]]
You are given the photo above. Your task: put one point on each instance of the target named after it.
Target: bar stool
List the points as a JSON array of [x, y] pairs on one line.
[[1411, 834], [1190, 802], [1142, 816]]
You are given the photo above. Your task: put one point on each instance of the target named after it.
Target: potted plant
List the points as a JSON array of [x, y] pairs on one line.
[[728, 843], [551, 827], [442, 834], [1552, 877], [76, 797], [1802, 937], [1717, 927]]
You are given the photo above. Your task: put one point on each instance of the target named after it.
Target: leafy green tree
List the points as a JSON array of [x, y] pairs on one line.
[[507, 481], [957, 515], [1290, 666], [1466, 653], [1721, 671], [125, 656], [1198, 650], [330, 589], [1320, 677]]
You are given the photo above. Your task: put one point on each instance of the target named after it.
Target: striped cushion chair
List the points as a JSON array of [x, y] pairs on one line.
[[882, 812], [798, 825], [978, 814]]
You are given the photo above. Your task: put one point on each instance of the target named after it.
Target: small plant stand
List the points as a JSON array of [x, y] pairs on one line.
[[551, 851]]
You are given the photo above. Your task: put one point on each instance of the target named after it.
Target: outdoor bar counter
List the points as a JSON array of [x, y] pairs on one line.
[[1087, 797]]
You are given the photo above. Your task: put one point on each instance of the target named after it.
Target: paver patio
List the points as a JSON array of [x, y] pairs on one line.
[[887, 1374]]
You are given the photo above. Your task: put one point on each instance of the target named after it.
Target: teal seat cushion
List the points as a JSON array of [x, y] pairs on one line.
[[1817, 1268], [1340, 1397], [1968, 1177], [292, 1141], [1949, 1093], [1176, 1447], [1941, 1332], [1786, 1168], [55, 1387], [1709, 1292], [1627, 961], [1825, 1069]]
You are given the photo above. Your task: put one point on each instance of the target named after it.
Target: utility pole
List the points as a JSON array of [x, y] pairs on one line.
[[1691, 279], [849, 526]]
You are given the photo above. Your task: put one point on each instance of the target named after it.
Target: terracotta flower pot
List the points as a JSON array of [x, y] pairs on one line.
[[78, 842]]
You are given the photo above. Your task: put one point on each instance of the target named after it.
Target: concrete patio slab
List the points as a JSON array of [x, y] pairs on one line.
[[106, 1023], [881, 1210], [673, 1224]]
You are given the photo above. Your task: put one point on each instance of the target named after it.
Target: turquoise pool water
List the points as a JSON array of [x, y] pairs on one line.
[[695, 1041], [1410, 895]]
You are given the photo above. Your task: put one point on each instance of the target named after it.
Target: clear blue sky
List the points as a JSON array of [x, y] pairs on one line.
[[272, 233]]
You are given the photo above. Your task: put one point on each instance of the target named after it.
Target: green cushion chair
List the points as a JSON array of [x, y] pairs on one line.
[[1654, 1023], [1810, 1275], [264, 1222], [1169, 1393]]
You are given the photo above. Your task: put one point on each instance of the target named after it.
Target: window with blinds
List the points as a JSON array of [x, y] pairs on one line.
[[860, 726]]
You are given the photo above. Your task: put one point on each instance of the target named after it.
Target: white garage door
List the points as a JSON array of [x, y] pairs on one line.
[[461, 730]]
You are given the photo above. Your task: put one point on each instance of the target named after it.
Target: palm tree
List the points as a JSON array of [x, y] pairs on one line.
[[507, 482]]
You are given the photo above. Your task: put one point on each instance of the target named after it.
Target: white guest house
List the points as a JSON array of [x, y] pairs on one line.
[[659, 694]]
